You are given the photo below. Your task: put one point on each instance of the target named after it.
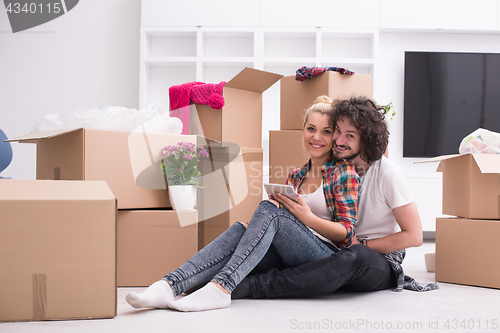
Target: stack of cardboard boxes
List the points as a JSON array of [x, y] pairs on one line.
[[467, 246], [99, 216], [129, 163], [233, 176], [296, 98], [132, 243]]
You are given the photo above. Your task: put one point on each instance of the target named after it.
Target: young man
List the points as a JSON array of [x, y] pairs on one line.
[[388, 219]]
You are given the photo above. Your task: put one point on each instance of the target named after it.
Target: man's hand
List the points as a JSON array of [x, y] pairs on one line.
[[355, 241]]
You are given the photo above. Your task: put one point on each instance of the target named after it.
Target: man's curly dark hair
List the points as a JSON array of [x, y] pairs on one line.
[[369, 120]]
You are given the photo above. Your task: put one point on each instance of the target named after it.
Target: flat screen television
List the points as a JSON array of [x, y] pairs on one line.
[[448, 95]]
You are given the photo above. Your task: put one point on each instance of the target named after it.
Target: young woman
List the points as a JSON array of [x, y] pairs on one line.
[[276, 237]]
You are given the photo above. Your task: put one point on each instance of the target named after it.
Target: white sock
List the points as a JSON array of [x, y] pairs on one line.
[[210, 297], [158, 295]]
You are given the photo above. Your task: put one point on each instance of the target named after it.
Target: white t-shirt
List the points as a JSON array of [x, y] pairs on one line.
[[383, 188]]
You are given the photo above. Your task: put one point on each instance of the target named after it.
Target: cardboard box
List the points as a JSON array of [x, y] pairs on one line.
[[240, 120], [297, 96], [234, 187], [153, 243], [281, 161], [466, 256], [471, 185], [58, 257], [129, 162]]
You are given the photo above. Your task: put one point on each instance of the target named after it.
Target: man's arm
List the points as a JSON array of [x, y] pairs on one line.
[[410, 235]]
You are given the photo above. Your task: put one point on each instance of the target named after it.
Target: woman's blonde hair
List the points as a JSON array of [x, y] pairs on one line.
[[323, 105]]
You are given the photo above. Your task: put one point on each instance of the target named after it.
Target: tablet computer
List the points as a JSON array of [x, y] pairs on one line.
[[286, 190]]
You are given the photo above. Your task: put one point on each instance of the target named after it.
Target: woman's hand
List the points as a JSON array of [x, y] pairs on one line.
[[299, 209]]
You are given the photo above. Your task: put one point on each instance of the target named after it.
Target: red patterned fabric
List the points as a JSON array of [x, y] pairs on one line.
[[340, 187], [180, 97], [305, 73], [198, 92]]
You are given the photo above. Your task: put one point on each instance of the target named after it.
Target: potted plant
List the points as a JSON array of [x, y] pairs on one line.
[[179, 164], [389, 112]]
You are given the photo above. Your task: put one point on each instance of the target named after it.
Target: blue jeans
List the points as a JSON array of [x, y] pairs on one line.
[[356, 268], [274, 239]]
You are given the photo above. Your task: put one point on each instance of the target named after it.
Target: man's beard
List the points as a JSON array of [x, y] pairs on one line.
[[348, 157]]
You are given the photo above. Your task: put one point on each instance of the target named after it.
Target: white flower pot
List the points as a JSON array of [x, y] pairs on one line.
[[182, 197]]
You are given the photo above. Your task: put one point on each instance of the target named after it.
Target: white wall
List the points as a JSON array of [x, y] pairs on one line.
[[88, 57]]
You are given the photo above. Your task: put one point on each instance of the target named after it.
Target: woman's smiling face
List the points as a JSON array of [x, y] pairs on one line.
[[318, 136]]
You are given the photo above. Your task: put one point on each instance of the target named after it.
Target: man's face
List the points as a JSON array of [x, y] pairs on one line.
[[346, 140]]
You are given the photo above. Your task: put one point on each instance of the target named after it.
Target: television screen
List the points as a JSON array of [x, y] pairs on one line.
[[446, 97]]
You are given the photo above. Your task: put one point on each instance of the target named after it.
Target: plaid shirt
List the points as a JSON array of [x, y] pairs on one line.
[[340, 187], [305, 72]]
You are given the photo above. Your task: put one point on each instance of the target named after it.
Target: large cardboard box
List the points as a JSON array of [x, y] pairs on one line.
[[240, 120], [58, 257], [129, 162], [153, 243], [467, 251], [471, 185], [297, 96], [286, 153], [233, 189]]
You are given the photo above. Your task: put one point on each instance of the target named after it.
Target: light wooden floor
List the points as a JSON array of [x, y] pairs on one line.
[[452, 308]]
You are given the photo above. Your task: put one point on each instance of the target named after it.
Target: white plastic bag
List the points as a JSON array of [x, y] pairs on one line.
[[118, 118], [481, 141], [162, 124], [49, 122]]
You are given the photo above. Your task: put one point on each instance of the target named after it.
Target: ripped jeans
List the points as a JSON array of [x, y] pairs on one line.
[[274, 239]]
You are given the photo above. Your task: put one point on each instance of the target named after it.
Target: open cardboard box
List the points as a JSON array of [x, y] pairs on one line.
[[233, 189], [298, 96], [281, 162], [465, 256], [129, 162], [240, 120], [58, 257], [471, 185], [153, 243]]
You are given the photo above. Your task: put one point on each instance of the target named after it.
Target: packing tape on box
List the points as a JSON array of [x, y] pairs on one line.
[[57, 173], [39, 297]]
